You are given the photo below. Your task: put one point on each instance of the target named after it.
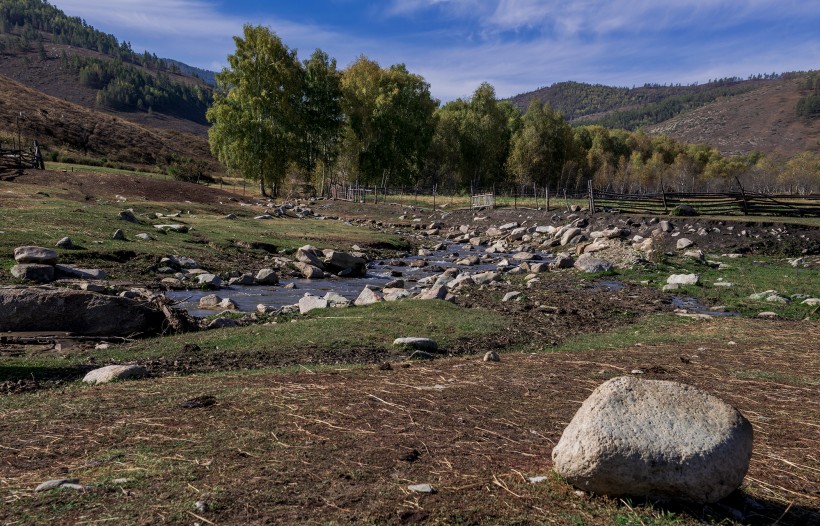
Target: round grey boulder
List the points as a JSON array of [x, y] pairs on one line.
[[657, 439]]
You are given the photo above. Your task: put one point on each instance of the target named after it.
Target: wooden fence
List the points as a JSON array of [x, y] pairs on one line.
[[732, 203], [21, 159]]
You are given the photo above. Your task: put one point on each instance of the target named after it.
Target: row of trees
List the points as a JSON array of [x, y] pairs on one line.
[[275, 119]]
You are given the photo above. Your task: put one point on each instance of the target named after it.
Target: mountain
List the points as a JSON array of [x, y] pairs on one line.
[[734, 115], [207, 76], [62, 56], [764, 119]]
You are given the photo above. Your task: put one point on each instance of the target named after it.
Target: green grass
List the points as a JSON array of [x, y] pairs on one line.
[[750, 275], [322, 331], [651, 330], [85, 168], [44, 220]]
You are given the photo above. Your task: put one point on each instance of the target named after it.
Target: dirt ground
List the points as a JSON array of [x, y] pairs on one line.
[[342, 446]]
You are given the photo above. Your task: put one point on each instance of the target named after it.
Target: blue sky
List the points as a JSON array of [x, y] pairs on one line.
[[516, 45]]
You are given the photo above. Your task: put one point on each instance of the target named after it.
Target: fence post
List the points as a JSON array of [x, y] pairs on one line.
[[743, 194], [591, 196], [663, 196]]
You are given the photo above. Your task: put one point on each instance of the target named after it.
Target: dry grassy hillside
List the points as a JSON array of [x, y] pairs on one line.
[[62, 125], [50, 77], [763, 119]]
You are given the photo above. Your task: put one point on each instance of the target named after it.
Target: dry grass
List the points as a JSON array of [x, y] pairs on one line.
[[325, 447]]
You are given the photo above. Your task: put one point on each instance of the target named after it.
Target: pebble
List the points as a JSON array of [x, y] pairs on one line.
[[491, 356], [421, 488]]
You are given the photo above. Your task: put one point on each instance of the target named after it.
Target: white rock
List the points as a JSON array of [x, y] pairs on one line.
[[683, 279], [657, 439], [111, 373], [309, 302], [684, 243]]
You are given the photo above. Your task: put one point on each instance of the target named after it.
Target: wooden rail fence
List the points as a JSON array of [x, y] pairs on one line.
[[731, 203], [18, 159]]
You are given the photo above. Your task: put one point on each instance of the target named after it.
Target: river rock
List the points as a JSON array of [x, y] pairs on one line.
[[143, 236], [267, 276], [589, 263], [656, 439], [209, 280], [309, 271], [419, 344], [222, 323], [309, 302], [245, 280], [344, 264], [683, 279], [684, 243], [39, 255], [111, 373], [562, 261], [569, 235], [336, 300], [33, 272], [368, 297], [311, 255], [396, 294], [119, 235], [211, 301], [65, 243], [72, 272], [491, 356], [511, 295], [435, 293]]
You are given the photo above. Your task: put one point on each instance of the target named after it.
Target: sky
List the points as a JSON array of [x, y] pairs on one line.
[[515, 45]]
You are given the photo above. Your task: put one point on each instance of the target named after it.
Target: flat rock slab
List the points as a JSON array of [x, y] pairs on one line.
[[58, 483], [419, 344], [33, 272], [80, 312], [29, 254], [656, 439], [173, 227], [111, 373]]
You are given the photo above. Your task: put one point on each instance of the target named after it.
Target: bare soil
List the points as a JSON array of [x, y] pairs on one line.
[[342, 446]]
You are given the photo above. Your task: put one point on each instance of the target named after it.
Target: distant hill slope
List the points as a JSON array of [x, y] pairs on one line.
[[207, 76], [764, 119], [63, 56], [736, 116], [63, 125]]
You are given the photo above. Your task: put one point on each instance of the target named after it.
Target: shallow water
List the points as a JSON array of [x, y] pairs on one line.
[[378, 275]]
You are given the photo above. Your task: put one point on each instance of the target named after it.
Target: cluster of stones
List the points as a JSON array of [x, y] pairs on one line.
[[41, 265]]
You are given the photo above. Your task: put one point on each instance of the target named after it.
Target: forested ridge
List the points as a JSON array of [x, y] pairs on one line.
[[633, 108], [124, 80]]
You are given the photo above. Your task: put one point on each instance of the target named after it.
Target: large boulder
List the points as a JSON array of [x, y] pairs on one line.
[[309, 271], [309, 302], [589, 263], [79, 312], [311, 255], [344, 264], [657, 439], [33, 272], [39, 255]]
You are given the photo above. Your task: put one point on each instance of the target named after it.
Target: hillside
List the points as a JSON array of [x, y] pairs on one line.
[[736, 116], [42, 47], [62, 125], [764, 119]]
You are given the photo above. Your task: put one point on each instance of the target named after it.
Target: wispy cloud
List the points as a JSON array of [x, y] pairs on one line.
[[517, 45]]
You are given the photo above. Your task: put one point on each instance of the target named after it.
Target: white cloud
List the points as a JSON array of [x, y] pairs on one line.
[[517, 45]]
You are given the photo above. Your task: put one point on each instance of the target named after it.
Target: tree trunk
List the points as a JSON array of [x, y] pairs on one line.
[[262, 187]]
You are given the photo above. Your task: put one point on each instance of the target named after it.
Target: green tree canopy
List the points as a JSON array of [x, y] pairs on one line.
[[541, 147], [390, 118], [255, 115]]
